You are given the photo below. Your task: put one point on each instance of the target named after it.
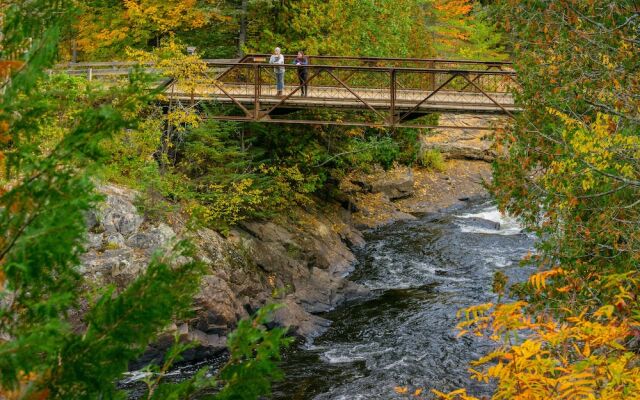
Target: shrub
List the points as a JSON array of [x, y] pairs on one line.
[[432, 159]]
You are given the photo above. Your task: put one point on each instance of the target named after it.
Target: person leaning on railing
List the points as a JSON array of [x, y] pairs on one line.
[[302, 61], [278, 58]]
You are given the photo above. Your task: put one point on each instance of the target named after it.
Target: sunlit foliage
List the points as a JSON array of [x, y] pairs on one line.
[[105, 28], [570, 170]]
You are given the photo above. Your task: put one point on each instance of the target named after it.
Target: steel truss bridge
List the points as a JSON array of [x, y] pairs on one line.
[[353, 91]]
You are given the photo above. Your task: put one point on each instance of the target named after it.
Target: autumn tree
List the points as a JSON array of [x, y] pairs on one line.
[[105, 28], [403, 28], [462, 29], [382, 28], [569, 168]]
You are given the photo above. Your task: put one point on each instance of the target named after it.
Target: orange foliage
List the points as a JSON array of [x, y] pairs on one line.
[[7, 66], [454, 8], [136, 22], [582, 357]]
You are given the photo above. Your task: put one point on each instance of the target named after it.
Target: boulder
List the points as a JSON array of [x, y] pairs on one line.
[[300, 322], [113, 240], [394, 184], [216, 305], [482, 223], [468, 144], [118, 212]]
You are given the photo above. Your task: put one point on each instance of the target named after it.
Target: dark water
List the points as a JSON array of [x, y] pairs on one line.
[[421, 272]]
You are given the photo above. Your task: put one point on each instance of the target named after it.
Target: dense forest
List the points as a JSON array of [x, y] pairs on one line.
[[567, 166]]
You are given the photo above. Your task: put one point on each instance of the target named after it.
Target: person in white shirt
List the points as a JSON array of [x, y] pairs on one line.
[[278, 58]]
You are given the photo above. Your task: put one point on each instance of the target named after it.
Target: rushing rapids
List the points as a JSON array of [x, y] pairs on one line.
[[421, 272]]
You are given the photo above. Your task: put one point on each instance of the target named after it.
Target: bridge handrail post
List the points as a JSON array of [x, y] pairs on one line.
[[256, 92], [432, 76], [392, 99], [90, 74]]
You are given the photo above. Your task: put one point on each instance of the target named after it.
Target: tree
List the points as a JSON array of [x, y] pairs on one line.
[[569, 168], [365, 28], [105, 28]]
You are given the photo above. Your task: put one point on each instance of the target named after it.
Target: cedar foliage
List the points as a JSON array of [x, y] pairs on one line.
[[47, 190]]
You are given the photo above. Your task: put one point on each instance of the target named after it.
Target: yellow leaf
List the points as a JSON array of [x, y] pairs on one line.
[[401, 389], [605, 311], [462, 333]]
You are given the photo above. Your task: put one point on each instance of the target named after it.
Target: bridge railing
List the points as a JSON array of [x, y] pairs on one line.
[[385, 96], [102, 68], [429, 63]]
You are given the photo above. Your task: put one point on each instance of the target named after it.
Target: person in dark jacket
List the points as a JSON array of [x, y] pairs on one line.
[[302, 61]]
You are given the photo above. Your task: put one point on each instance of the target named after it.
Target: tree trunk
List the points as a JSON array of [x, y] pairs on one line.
[[242, 37], [74, 51]]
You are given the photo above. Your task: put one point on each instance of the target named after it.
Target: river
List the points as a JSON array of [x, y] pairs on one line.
[[421, 273]]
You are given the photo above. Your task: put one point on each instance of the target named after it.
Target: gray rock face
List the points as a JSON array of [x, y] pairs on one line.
[[94, 241], [120, 216], [394, 184], [153, 238], [114, 240], [468, 144], [302, 260]]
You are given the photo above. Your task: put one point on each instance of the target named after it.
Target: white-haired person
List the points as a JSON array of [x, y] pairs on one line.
[[278, 58]]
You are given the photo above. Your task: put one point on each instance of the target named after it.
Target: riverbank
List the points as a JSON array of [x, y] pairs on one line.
[[299, 260], [383, 197]]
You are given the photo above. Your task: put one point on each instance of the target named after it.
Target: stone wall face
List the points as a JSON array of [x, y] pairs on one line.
[[464, 144]]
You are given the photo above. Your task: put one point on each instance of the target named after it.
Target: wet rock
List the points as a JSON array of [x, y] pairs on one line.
[[474, 198], [207, 346], [300, 321], [482, 223], [321, 292]]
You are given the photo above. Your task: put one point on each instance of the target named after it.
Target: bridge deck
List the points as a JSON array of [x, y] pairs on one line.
[[341, 98]]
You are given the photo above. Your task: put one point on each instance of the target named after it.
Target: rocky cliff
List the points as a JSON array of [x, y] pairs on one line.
[[299, 260]]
